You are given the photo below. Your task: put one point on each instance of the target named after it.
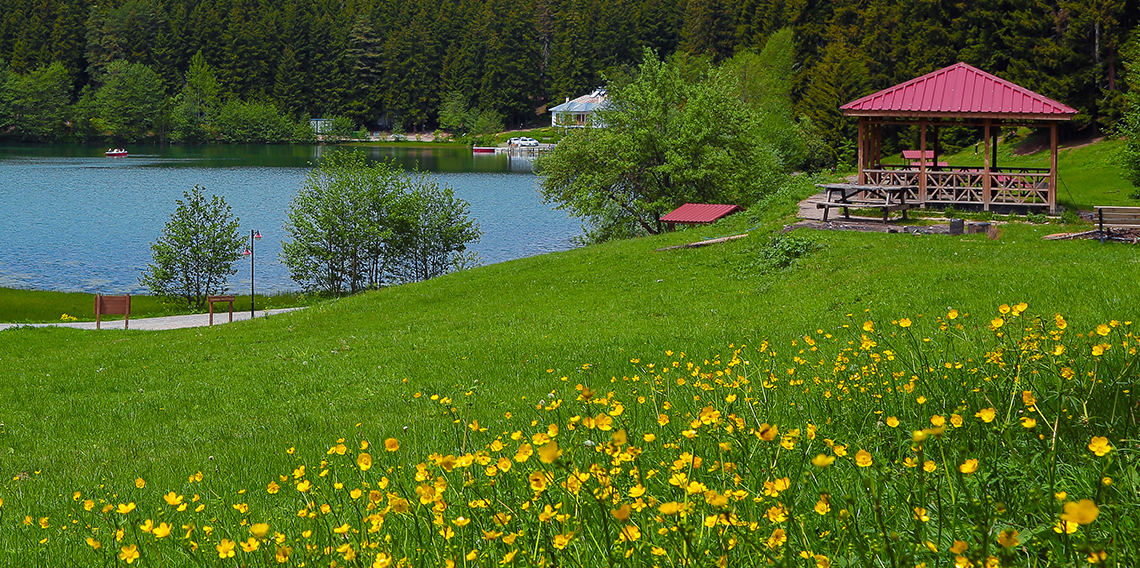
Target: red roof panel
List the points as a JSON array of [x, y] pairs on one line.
[[700, 213], [959, 90]]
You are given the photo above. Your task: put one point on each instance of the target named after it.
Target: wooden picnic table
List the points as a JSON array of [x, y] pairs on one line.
[[846, 195]]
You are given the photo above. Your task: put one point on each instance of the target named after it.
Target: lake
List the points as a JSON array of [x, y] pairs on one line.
[[72, 219]]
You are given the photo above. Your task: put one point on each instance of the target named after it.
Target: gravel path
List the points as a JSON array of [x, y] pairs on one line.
[[165, 322]]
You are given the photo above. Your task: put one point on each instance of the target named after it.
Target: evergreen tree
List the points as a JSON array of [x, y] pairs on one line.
[[710, 28], [197, 103], [840, 77]]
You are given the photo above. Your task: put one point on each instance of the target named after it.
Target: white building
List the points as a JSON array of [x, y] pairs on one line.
[[578, 113]]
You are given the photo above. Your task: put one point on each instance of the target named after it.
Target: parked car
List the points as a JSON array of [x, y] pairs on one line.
[[524, 142], [513, 142], [397, 138]]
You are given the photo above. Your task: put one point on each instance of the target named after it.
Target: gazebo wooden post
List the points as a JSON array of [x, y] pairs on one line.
[[862, 156], [987, 178], [937, 146], [1053, 168], [922, 163]]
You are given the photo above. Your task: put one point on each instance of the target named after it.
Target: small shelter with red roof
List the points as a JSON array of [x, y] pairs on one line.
[[699, 214], [958, 95]]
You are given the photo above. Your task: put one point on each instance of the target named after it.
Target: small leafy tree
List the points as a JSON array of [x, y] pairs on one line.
[[431, 232], [196, 252], [674, 134], [357, 225]]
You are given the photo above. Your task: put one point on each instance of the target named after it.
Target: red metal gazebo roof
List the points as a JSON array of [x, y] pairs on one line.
[[700, 213], [959, 91]]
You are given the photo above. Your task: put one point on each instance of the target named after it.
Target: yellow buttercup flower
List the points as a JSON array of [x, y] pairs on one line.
[[561, 540], [123, 509], [1100, 446], [391, 444], [1082, 512], [173, 499], [129, 553], [778, 538], [226, 548], [1008, 538], [986, 414], [162, 530], [892, 422], [905, 322], [1027, 422], [863, 458], [969, 466], [364, 461]]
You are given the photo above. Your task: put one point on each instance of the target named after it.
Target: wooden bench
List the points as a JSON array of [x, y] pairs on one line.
[[112, 305], [1108, 218], [220, 299]]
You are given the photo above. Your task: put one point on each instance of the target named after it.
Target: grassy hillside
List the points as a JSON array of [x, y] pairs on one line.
[[92, 412]]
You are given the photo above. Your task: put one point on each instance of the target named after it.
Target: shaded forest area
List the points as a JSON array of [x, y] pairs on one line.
[[385, 62]]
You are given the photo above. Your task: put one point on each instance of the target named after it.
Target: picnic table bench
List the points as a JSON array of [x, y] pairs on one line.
[[848, 195]]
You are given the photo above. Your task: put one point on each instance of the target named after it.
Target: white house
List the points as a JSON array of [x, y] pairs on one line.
[[578, 113]]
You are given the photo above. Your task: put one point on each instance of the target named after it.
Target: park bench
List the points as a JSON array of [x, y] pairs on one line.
[[220, 299], [1108, 218], [112, 305]]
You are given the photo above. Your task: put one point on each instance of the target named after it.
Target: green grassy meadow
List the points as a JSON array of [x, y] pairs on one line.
[[452, 366]]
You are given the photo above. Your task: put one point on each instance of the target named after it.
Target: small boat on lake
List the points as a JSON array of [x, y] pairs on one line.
[[483, 149], [115, 152]]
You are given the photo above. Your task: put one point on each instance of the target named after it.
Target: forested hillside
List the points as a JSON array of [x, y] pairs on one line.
[[392, 61]]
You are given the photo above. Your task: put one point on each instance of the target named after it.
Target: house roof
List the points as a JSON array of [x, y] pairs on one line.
[[959, 91], [700, 213], [584, 103]]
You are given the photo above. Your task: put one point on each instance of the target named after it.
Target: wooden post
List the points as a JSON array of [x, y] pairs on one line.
[[862, 153], [1053, 168], [987, 180], [934, 158], [922, 163], [993, 149]]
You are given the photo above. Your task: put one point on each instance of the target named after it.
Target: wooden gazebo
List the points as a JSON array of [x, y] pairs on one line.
[[959, 95]]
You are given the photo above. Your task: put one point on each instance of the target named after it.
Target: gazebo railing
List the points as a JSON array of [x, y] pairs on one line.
[[965, 185]]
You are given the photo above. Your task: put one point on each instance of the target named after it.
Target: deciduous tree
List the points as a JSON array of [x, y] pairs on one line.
[[670, 138], [195, 254]]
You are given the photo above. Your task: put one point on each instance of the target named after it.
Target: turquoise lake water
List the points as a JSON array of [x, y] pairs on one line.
[[72, 219]]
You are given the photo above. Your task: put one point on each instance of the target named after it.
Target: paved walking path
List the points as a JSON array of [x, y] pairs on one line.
[[164, 322]]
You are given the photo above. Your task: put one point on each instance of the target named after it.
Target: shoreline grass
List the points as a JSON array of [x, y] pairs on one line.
[[44, 306]]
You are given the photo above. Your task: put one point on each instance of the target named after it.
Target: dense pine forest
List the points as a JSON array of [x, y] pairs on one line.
[[78, 69]]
